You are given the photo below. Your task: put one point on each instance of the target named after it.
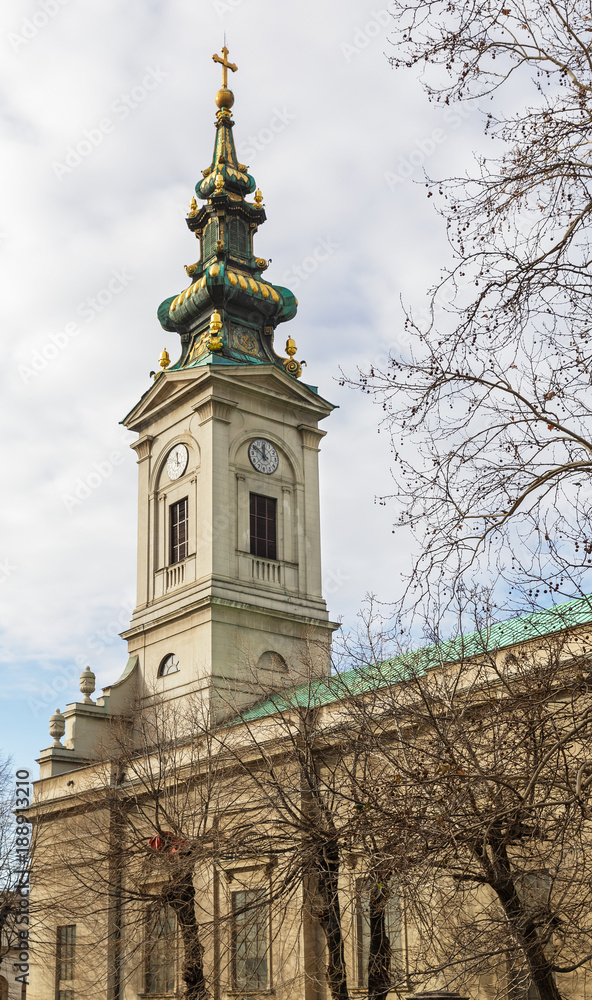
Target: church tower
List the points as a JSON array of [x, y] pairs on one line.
[[229, 600]]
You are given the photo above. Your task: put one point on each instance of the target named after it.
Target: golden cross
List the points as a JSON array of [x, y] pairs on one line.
[[225, 65]]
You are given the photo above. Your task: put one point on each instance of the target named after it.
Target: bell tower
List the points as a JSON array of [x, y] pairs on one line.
[[229, 601]]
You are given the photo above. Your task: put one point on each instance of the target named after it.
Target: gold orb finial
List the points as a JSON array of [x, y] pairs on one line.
[[258, 198], [224, 98], [164, 359]]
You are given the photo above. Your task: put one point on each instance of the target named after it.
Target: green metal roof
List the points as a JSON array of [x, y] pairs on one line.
[[364, 679]]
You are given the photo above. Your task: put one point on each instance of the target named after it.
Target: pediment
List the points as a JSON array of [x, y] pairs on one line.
[[166, 393], [271, 379], [170, 391]]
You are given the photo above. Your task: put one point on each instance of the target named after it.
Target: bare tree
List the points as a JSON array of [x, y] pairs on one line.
[[178, 798], [294, 763], [127, 845], [476, 798], [490, 408]]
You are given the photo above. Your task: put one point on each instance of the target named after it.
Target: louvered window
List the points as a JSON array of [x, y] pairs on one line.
[[210, 238], [238, 238]]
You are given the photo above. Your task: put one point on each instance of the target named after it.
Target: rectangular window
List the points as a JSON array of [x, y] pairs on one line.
[[160, 951], [179, 530], [394, 928], [263, 511], [65, 959], [534, 889], [250, 943]]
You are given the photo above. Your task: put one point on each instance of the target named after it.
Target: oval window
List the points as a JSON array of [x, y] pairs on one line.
[[170, 665]]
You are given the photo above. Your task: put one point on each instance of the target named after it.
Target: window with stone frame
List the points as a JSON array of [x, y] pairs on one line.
[[263, 526], [394, 929], [161, 951], [534, 889], [179, 531], [250, 939], [65, 961]]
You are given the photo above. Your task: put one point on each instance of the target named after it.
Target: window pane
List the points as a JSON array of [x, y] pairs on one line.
[[249, 940], [179, 530], [170, 665], [263, 517], [66, 944], [394, 927], [160, 951]]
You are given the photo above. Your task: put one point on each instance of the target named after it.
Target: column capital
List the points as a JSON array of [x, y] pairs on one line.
[[143, 447], [214, 409], [311, 436]]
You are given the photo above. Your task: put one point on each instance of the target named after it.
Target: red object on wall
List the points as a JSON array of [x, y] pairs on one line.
[[167, 841]]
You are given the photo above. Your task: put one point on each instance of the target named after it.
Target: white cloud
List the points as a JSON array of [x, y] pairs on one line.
[[346, 123]]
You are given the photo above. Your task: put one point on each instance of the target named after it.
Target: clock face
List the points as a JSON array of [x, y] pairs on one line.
[[263, 456], [177, 461]]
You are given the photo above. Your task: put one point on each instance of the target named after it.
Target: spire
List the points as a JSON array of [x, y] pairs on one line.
[[228, 314]]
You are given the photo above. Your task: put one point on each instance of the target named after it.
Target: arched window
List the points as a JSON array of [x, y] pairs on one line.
[[270, 660], [170, 665]]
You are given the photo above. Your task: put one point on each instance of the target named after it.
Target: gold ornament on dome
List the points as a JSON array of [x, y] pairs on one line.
[[214, 341], [290, 364], [258, 198]]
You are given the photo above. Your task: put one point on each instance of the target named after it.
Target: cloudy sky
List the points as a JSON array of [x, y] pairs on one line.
[[107, 119]]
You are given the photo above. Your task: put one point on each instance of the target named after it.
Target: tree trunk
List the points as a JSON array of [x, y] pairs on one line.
[[524, 929], [379, 958], [327, 871], [181, 897]]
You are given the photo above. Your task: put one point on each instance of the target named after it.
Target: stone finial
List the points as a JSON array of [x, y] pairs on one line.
[[57, 727], [87, 685]]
